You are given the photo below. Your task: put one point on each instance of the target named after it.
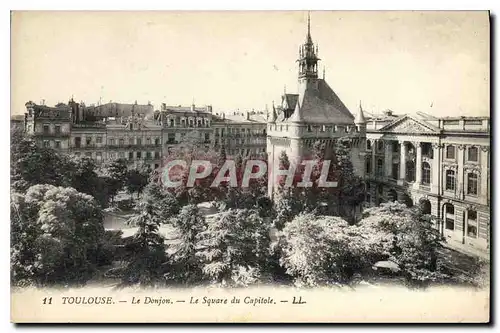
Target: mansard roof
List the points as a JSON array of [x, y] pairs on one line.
[[120, 109], [186, 109]]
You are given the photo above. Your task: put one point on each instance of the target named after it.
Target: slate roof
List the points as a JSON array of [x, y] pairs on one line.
[[291, 100], [241, 118], [186, 109], [119, 109], [320, 104]]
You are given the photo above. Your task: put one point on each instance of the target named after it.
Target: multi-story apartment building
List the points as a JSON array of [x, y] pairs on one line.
[[180, 122], [241, 133], [442, 164], [103, 132], [140, 134]]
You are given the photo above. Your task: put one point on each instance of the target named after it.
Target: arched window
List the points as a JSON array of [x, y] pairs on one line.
[[368, 145], [450, 180], [472, 183], [449, 215], [472, 223], [425, 206], [426, 173]]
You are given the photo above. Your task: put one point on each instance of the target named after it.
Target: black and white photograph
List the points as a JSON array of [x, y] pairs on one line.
[[250, 166]]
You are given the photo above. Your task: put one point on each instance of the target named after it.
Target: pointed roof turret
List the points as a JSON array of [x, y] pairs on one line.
[[360, 117]]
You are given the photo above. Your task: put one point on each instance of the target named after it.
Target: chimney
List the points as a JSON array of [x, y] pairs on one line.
[[192, 107], [209, 108], [247, 115], [223, 116]]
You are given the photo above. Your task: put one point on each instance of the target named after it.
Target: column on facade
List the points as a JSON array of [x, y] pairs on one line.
[[418, 164], [402, 160], [388, 158], [436, 168], [459, 176], [374, 159], [483, 185]]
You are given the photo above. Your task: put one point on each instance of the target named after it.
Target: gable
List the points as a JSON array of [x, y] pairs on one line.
[[408, 124]]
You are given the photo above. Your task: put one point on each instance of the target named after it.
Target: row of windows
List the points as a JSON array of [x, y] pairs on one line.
[[472, 182], [130, 155], [471, 217], [138, 141], [472, 152], [242, 141], [46, 129], [189, 123], [112, 142], [57, 144], [239, 131], [450, 179]]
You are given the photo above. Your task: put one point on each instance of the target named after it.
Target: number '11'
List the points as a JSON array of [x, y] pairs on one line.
[[47, 300]]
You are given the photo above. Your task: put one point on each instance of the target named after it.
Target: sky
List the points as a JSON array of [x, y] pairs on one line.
[[435, 62]]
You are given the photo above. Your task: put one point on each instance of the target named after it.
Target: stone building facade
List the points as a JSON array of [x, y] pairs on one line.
[[140, 134], [241, 133], [442, 164]]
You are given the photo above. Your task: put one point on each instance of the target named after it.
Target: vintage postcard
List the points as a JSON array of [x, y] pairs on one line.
[[246, 167]]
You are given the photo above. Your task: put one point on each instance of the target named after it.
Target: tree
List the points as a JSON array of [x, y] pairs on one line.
[[235, 247], [415, 242], [189, 225], [116, 176], [56, 235], [84, 178], [164, 204], [146, 265], [137, 179], [350, 191], [31, 165], [322, 250], [288, 201]]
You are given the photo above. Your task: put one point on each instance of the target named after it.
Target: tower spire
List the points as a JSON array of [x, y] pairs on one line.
[[308, 55], [308, 26], [360, 117]]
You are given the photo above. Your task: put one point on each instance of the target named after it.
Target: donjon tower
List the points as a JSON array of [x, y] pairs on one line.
[[315, 113]]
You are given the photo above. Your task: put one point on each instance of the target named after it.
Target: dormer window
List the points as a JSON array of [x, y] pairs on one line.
[[309, 128]]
